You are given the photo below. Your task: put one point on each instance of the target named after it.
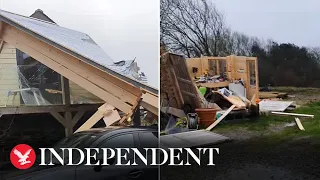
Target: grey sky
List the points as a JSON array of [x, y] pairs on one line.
[[123, 28], [295, 21]]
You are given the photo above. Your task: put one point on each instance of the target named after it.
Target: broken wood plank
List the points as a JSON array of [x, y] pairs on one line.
[[293, 114], [299, 124], [174, 111], [99, 114], [111, 118], [220, 118]]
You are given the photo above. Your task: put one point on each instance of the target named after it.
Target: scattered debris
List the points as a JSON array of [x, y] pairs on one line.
[[269, 105], [293, 114], [173, 111], [220, 118], [299, 124]]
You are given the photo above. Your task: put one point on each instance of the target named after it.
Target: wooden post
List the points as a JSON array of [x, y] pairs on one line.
[[136, 116], [66, 101]]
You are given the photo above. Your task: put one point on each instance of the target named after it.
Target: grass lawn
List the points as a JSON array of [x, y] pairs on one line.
[[272, 127]]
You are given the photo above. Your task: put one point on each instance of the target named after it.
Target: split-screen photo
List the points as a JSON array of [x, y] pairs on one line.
[[161, 89]]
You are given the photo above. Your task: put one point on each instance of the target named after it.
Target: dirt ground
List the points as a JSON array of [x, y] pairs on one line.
[[255, 159]]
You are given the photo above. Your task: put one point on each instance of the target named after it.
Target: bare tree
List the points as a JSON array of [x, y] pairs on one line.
[[192, 27]]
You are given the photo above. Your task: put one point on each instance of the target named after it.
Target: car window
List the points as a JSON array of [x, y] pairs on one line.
[[149, 139], [120, 141]]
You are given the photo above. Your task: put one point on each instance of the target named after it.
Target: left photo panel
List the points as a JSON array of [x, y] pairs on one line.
[[79, 85]]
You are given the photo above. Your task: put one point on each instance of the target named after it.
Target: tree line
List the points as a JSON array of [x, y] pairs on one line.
[[196, 27]]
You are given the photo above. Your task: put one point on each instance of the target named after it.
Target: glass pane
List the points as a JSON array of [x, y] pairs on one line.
[[252, 73]]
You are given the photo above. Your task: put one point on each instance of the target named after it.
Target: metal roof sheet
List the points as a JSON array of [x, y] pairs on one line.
[[76, 41], [73, 42]]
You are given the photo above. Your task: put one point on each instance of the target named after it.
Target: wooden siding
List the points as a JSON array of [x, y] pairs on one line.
[[8, 75]]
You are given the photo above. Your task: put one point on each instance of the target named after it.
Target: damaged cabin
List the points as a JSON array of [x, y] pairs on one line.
[[46, 68], [208, 86], [219, 72]]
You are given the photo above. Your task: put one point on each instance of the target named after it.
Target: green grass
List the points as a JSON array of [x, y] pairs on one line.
[[265, 123], [289, 89]]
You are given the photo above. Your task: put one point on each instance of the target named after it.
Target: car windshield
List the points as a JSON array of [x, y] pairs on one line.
[[73, 141]]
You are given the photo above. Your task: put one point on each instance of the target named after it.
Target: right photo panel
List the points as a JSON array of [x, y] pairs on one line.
[[239, 89]]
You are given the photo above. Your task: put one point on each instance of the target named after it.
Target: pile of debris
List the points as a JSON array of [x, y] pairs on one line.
[[206, 78]]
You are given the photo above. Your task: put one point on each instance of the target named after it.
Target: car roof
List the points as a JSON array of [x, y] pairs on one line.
[[118, 129]]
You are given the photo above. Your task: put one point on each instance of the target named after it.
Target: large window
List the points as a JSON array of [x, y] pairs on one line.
[[252, 72], [217, 66]]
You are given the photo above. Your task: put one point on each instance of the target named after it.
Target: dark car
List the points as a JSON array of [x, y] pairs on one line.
[[129, 137]]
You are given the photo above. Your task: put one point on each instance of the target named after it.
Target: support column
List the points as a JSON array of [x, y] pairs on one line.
[[66, 101]]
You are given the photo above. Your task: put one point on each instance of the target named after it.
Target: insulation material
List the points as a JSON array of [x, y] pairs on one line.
[[130, 69], [238, 88]]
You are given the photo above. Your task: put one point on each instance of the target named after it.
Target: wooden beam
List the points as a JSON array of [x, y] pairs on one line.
[[68, 123], [150, 103], [60, 62], [293, 114], [47, 108], [220, 118], [111, 117], [114, 85], [58, 117], [1, 45], [150, 108], [1, 28], [125, 117], [105, 110], [299, 124], [174, 111], [77, 117], [188, 93], [184, 80], [65, 91]]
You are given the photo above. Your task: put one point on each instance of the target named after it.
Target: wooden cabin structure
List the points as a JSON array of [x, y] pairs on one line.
[[233, 67], [177, 88], [79, 66]]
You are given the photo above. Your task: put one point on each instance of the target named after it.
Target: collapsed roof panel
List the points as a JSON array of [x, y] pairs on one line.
[[73, 40], [75, 43]]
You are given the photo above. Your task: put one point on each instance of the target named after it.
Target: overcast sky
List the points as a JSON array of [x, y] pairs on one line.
[[124, 29], [295, 21]]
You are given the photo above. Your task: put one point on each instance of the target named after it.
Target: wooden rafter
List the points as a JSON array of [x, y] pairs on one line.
[[107, 112], [74, 69], [48, 108], [150, 102]]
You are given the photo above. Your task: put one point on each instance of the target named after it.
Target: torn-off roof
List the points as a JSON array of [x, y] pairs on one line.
[[70, 41], [75, 41]]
